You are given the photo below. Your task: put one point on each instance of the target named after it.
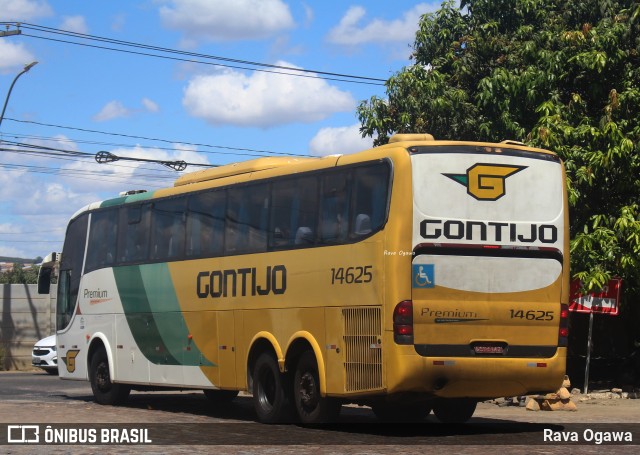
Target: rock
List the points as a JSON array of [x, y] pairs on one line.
[[566, 383], [532, 405], [563, 394], [601, 395]]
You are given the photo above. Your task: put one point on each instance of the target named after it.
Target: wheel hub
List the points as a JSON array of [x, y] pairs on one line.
[[308, 390]]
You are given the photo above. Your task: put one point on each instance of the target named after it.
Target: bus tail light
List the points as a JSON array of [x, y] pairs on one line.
[[563, 331], [403, 322]]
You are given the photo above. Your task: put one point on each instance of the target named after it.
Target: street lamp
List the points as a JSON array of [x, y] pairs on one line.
[[26, 68]]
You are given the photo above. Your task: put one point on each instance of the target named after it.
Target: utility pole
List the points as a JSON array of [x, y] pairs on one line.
[[8, 32], [6, 101]]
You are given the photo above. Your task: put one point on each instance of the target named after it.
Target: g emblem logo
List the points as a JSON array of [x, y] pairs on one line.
[[486, 182], [70, 360]]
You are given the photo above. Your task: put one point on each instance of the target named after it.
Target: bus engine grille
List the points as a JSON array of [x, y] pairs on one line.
[[363, 353]]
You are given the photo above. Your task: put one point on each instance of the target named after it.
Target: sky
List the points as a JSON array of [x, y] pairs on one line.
[[208, 82]]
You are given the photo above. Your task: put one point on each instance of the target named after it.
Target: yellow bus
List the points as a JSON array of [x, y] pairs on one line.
[[419, 275]]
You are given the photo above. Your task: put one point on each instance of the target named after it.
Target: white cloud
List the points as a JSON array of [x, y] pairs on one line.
[[118, 23], [113, 109], [14, 56], [350, 31], [75, 24], [56, 198], [149, 105], [226, 20], [32, 223], [8, 228], [340, 140], [12, 252], [263, 99], [23, 10]]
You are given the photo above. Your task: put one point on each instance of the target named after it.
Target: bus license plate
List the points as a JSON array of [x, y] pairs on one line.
[[488, 349]]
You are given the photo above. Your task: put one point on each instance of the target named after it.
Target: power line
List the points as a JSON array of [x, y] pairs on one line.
[[84, 174], [171, 175], [31, 241], [51, 150], [291, 71], [48, 231], [253, 152], [107, 144]]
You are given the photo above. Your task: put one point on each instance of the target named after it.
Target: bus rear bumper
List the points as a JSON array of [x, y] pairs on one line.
[[478, 377]]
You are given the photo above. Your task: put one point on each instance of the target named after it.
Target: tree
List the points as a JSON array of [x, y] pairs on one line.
[[19, 275], [554, 74]]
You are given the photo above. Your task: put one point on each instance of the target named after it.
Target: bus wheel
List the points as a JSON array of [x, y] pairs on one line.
[[220, 397], [105, 391], [389, 412], [454, 410], [269, 394], [311, 406]]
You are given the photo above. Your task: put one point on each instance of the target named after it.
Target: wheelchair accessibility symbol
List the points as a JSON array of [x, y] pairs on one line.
[[423, 276]]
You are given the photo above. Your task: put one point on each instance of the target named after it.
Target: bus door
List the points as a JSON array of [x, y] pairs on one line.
[[70, 342]]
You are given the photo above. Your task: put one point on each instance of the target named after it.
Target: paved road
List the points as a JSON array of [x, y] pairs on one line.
[[175, 421]]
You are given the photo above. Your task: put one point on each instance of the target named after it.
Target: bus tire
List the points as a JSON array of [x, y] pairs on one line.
[[311, 406], [105, 391], [454, 410], [269, 390], [220, 397]]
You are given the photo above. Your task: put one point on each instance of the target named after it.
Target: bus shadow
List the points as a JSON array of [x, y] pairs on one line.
[[356, 425]]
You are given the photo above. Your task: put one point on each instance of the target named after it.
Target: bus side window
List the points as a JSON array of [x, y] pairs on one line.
[[282, 195], [369, 199], [168, 229], [294, 212], [334, 206], [133, 233], [247, 219], [103, 233], [205, 223], [305, 217]]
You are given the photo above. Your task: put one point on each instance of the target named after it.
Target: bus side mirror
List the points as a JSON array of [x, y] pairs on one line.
[[44, 280], [47, 267]]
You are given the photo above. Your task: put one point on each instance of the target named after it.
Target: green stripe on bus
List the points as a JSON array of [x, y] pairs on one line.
[[125, 199], [154, 317], [168, 315]]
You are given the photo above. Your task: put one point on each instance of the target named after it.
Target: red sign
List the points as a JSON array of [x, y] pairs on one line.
[[606, 301]]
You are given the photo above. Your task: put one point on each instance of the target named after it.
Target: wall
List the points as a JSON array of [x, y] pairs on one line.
[[26, 318]]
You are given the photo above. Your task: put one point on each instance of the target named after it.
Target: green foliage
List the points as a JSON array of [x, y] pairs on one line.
[[18, 275], [554, 74]]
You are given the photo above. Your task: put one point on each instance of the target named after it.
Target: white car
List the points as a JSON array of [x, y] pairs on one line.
[[44, 355]]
